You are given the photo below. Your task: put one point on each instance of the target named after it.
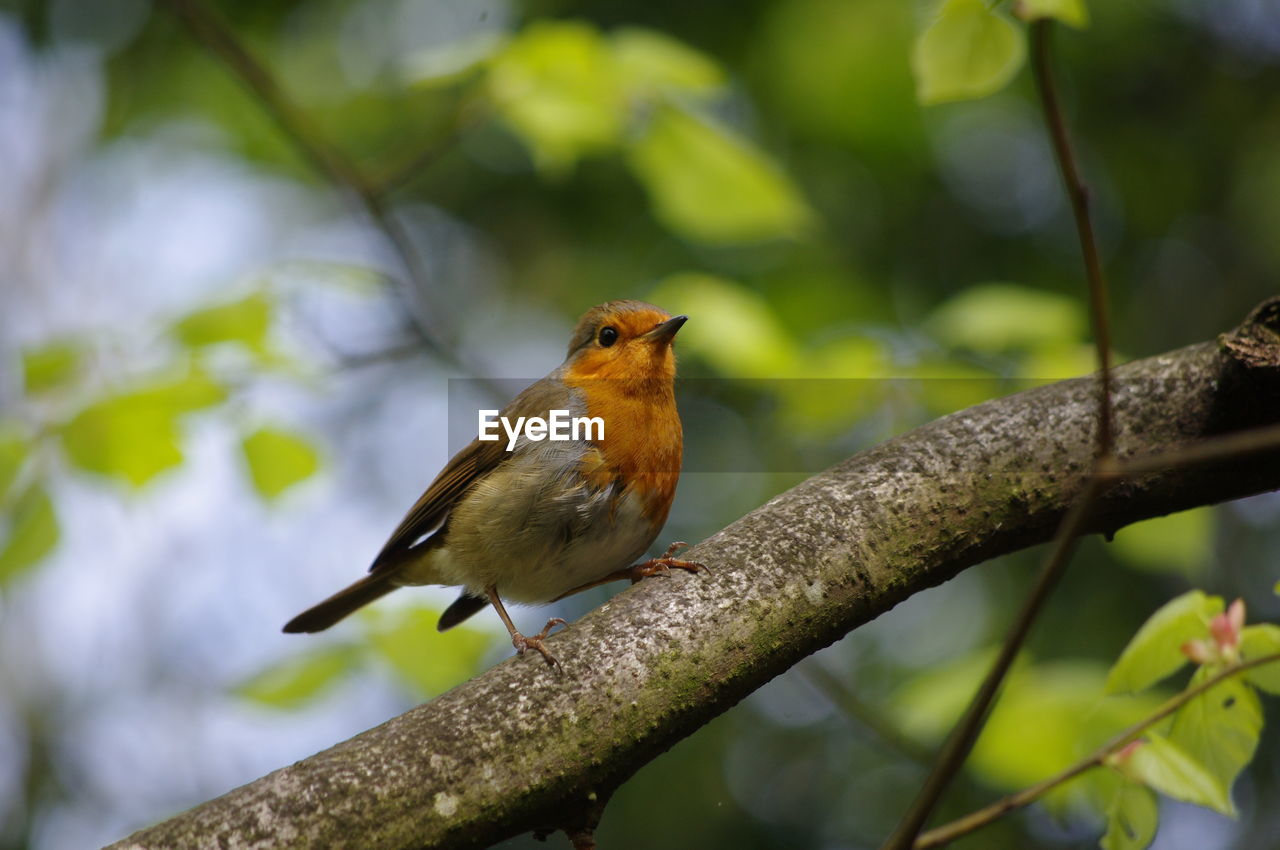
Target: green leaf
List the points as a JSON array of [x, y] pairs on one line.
[[13, 454], [195, 390], [246, 322], [50, 366], [736, 332], [557, 87], [296, 681], [928, 705], [1132, 818], [994, 318], [1156, 650], [1049, 716], [32, 534], [1167, 768], [135, 436], [428, 661], [969, 51], [650, 62], [125, 437], [1220, 728], [1063, 703], [1181, 542], [1072, 12], [278, 460], [1256, 642], [711, 186]]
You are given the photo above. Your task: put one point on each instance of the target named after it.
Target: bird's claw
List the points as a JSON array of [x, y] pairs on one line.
[[665, 564], [536, 642]]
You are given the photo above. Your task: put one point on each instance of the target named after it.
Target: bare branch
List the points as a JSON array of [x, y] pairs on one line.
[[520, 748]]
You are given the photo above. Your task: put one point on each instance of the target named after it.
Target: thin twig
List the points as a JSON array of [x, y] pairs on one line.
[[960, 742], [971, 822], [1078, 194], [219, 40], [399, 175], [1237, 445]]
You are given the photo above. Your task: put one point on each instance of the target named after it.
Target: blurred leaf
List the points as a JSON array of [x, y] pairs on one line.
[[733, 329], [1047, 721], [1132, 818], [1181, 542], [1056, 362], [650, 60], [558, 89], [711, 186], [195, 390], [845, 389], [1071, 12], [1167, 768], [1156, 650], [245, 321], [928, 705], [299, 680], [1220, 728], [1257, 642], [947, 386], [836, 71], [32, 534], [13, 454], [1000, 317], [969, 51], [1048, 716], [123, 437], [50, 366], [430, 662], [135, 436], [278, 460]]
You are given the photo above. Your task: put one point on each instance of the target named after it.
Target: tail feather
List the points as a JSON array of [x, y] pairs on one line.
[[462, 608], [345, 601]]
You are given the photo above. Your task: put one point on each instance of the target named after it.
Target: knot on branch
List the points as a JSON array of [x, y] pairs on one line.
[[1255, 344]]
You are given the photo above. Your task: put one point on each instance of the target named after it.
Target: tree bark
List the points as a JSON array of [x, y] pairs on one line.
[[523, 748]]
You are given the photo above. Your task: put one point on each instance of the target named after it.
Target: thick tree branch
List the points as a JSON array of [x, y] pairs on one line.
[[520, 748]]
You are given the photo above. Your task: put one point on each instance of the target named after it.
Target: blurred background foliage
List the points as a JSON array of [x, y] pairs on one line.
[[222, 381]]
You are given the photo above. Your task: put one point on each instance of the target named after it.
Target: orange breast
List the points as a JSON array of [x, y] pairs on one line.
[[642, 441]]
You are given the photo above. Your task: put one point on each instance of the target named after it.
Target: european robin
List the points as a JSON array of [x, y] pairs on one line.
[[546, 518]]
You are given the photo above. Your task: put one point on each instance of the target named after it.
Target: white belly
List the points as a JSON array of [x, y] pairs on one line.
[[533, 539]]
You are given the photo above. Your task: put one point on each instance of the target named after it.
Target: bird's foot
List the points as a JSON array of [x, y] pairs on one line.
[[664, 564], [522, 643]]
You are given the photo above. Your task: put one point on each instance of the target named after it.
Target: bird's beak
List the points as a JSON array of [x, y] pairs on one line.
[[666, 331]]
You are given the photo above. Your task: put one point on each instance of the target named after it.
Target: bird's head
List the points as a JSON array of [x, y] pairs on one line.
[[627, 341]]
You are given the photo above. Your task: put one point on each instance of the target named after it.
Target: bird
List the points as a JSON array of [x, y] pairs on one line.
[[534, 521]]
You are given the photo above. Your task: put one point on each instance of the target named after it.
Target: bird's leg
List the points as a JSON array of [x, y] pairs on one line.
[[644, 569], [519, 641]]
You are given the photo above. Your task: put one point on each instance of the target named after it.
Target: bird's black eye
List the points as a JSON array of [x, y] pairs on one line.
[[608, 336]]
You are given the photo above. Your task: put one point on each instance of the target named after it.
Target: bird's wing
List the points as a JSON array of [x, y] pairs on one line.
[[477, 458]]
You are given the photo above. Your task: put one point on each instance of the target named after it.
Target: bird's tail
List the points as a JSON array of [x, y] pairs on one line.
[[345, 601]]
